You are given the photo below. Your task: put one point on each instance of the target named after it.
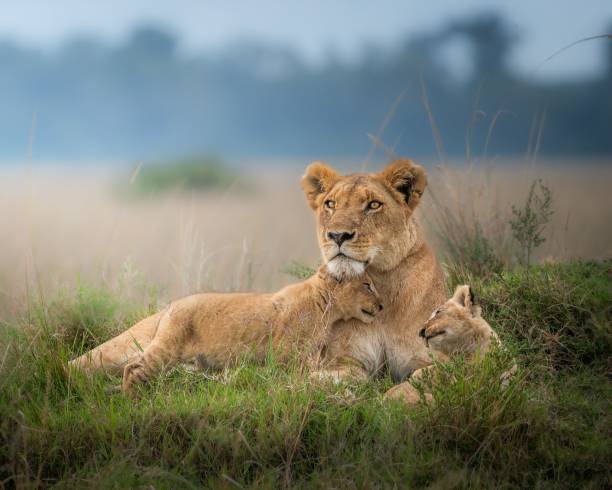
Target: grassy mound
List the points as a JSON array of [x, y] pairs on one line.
[[560, 313], [268, 426]]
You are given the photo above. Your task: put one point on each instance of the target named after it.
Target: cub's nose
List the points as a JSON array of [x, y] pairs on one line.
[[380, 306], [340, 236], [422, 333]]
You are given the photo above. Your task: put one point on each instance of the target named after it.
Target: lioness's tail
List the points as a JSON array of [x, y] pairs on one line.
[[113, 355]]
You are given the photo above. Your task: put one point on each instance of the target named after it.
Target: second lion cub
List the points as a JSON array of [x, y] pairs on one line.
[[455, 328], [218, 327]]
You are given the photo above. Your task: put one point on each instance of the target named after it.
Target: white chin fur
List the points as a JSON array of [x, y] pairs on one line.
[[345, 268]]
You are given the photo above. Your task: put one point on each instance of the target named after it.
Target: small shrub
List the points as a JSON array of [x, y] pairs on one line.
[[529, 221], [298, 270]]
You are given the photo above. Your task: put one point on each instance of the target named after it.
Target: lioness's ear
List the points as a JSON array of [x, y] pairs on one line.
[[318, 180], [463, 296], [406, 178]]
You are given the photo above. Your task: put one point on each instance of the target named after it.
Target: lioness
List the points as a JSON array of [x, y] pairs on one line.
[[221, 326], [456, 327], [367, 220]]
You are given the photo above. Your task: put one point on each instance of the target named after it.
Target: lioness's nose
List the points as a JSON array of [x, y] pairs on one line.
[[340, 236]]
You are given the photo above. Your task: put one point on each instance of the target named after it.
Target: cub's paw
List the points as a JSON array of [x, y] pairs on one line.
[[134, 374], [406, 393], [337, 376], [325, 376], [368, 314]]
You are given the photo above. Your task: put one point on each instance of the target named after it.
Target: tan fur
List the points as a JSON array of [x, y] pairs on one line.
[[219, 327], [454, 328], [388, 241]]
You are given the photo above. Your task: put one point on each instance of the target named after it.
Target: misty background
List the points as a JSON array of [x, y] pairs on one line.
[[449, 86]]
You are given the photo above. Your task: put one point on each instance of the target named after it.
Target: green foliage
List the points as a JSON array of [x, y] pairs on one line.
[[195, 173], [268, 426], [530, 220]]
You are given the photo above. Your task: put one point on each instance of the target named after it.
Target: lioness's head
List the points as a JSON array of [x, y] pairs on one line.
[[457, 326], [352, 297], [364, 218]]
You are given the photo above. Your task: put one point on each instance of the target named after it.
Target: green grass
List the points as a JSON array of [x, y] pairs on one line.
[[267, 426]]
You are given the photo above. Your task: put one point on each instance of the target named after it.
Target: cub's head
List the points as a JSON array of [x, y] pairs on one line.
[[364, 219], [457, 326], [354, 297]]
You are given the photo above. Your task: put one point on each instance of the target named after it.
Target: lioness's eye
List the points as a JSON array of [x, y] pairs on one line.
[[374, 204], [329, 204]]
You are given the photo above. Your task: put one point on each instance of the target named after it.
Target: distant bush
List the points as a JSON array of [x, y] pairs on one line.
[[193, 173]]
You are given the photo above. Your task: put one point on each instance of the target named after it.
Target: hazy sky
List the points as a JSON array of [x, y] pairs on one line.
[[316, 27]]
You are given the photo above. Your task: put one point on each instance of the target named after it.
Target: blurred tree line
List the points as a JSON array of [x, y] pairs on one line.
[[143, 99]]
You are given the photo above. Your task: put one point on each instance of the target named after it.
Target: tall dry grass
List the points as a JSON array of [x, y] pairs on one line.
[[473, 204]]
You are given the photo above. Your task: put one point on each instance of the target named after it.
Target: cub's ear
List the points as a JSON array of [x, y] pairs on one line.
[[464, 296], [317, 181], [408, 179]]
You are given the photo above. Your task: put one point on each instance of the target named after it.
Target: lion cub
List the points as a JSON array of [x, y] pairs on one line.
[[456, 327], [219, 327]]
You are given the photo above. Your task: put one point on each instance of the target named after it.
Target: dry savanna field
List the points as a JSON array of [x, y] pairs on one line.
[[63, 225]]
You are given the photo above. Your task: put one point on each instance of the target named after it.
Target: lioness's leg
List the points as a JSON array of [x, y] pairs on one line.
[[114, 354]]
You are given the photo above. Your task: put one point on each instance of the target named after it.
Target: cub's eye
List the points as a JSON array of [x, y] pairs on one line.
[[374, 204], [368, 286], [329, 204], [435, 313]]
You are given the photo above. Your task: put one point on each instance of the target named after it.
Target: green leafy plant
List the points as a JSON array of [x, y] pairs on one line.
[[298, 270], [529, 221]]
